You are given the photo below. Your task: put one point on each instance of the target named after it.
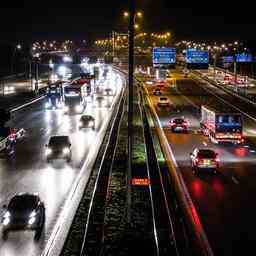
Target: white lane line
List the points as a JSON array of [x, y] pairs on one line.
[[205, 144], [252, 151], [235, 180], [246, 146]]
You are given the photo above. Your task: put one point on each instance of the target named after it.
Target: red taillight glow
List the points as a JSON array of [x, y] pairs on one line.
[[217, 160]]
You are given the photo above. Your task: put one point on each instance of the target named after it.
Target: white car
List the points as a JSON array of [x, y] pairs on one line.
[[163, 102]]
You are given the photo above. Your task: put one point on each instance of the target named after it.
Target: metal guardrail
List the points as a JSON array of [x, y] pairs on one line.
[[227, 90], [94, 232], [162, 219], [185, 200]]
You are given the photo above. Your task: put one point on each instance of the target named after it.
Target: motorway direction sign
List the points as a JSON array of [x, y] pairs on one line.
[[243, 57], [197, 59], [194, 56], [164, 56], [227, 59]]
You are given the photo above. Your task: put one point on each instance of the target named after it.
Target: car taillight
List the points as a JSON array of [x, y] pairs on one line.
[[13, 135], [217, 160]]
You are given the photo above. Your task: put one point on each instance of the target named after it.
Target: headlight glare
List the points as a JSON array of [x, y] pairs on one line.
[[48, 151], [6, 221], [65, 150], [7, 215], [31, 220], [32, 214]]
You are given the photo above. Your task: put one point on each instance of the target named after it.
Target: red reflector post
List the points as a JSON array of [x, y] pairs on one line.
[[140, 182]]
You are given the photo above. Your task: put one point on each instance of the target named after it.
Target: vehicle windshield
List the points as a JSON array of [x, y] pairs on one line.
[[58, 141], [23, 203], [178, 121], [86, 118], [206, 154], [163, 98]]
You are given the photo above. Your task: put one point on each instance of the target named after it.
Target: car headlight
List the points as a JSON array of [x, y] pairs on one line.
[[66, 108], [6, 221], [79, 108], [91, 123], [7, 215], [48, 151], [65, 150], [80, 124], [31, 220], [47, 105], [32, 214]]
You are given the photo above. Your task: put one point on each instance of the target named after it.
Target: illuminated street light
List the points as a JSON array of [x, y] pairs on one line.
[[136, 26], [139, 14], [126, 14], [18, 46]]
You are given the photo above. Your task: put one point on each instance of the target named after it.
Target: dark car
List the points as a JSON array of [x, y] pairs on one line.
[[86, 121], [204, 159], [58, 147], [157, 92], [179, 125], [24, 212]]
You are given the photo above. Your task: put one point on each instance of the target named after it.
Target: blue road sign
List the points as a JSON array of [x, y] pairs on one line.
[[194, 56], [243, 57], [164, 56], [227, 59]]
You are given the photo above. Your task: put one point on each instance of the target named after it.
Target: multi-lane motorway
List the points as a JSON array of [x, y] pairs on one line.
[[28, 171], [225, 202]]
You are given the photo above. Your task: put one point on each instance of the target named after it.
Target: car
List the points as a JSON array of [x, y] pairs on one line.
[[58, 147], [108, 92], [163, 102], [24, 211], [204, 159], [86, 121], [157, 92], [179, 124]]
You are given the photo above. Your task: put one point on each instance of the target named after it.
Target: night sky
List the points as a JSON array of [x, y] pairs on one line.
[[94, 19]]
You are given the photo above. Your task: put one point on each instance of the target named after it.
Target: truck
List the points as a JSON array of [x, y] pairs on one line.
[[222, 126], [75, 95], [54, 96], [8, 136]]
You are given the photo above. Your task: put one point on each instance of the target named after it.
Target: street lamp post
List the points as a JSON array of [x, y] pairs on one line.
[[17, 47], [130, 104]]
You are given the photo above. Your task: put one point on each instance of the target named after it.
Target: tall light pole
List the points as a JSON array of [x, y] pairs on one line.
[[130, 103], [17, 47]]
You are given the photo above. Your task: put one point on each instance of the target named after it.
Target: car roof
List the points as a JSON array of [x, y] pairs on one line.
[[205, 152], [59, 139], [24, 201], [86, 117], [178, 120]]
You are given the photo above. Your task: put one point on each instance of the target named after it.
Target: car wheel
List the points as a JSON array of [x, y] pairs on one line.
[[5, 234], [38, 233], [195, 171]]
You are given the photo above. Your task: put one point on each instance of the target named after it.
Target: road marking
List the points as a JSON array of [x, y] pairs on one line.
[[252, 151], [235, 180], [205, 144], [246, 146]]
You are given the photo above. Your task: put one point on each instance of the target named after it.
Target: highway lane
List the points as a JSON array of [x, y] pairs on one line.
[[225, 202], [28, 171]]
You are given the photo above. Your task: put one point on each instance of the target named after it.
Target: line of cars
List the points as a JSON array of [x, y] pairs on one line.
[[221, 126], [26, 211]]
